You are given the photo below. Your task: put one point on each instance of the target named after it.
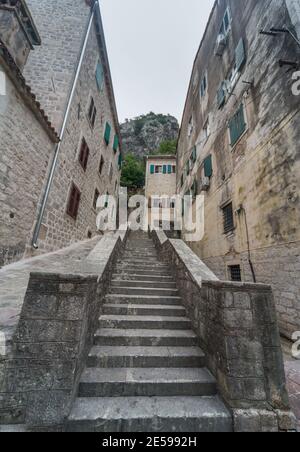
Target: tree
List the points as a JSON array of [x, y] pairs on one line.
[[168, 147], [133, 172]]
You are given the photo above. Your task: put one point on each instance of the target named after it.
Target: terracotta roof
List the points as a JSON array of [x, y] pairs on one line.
[[19, 81]]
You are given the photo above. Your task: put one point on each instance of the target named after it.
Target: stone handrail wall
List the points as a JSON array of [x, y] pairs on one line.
[[237, 328], [39, 380]]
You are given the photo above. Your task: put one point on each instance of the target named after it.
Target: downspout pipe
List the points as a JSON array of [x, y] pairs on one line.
[[62, 132]]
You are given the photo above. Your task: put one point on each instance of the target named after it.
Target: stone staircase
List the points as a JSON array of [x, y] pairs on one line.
[[145, 372]]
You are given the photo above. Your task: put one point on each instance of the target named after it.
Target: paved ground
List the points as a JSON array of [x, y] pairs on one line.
[[14, 280], [292, 370]]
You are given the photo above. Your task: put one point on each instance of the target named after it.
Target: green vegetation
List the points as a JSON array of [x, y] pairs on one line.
[[168, 147], [133, 172]]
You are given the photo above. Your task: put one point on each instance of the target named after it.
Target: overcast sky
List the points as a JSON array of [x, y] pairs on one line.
[[152, 45]]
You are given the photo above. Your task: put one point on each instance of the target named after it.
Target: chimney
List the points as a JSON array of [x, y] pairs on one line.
[[17, 30]]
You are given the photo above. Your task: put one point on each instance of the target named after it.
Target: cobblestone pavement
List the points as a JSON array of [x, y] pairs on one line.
[[292, 370], [14, 279]]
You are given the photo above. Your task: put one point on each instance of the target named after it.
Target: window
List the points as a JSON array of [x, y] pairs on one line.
[[92, 113], [96, 196], [235, 273], [116, 143], [174, 169], [107, 133], [73, 201], [84, 154], [203, 86], [194, 155], [221, 95], [152, 169], [194, 189], [208, 166], [191, 126], [182, 180], [187, 166], [101, 165], [206, 130], [228, 219], [237, 125], [158, 169], [225, 27], [99, 76], [89, 234]]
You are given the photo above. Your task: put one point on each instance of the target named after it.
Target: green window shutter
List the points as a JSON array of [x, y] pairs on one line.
[[208, 166], [116, 143], [221, 96], [188, 168], [169, 169], [165, 169], [107, 133], [152, 169], [99, 76], [194, 155], [120, 161], [237, 125], [240, 55]]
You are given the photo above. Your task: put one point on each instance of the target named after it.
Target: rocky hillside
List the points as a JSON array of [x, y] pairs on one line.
[[143, 135]]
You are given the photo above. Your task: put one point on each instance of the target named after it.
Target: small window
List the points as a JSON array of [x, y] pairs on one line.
[[107, 133], [182, 180], [101, 165], [89, 234], [174, 169], [237, 125], [208, 170], [206, 130], [116, 143], [203, 86], [235, 273], [191, 126], [92, 113], [73, 202], [228, 218], [84, 154], [99, 76], [96, 196], [225, 27]]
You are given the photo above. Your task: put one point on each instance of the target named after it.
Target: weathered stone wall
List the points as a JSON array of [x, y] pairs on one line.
[[39, 377], [59, 229], [51, 68], [237, 328], [261, 172], [25, 152], [294, 10]]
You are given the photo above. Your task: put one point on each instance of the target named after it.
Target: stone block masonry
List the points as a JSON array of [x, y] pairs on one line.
[[237, 327], [39, 375]]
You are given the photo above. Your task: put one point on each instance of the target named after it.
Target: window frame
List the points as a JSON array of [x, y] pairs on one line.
[[92, 112], [84, 153], [72, 208], [228, 226]]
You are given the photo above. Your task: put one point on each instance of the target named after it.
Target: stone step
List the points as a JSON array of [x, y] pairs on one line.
[[144, 283], [150, 414], [137, 270], [142, 264], [143, 309], [106, 357], [140, 299], [143, 291], [140, 254], [147, 382], [147, 277], [146, 322], [146, 338]]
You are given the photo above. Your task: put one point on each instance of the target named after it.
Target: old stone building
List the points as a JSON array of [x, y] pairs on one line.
[[239, 144], [160, 184], [70, 75], [27, 138]]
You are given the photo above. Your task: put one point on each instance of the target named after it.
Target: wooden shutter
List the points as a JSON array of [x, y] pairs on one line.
[[221, 96], [116, 143], [208, 166], [107, 133], [152, 169], [237, 125], [164, 169], [99, 76], [169, 169], [240, 55], [73, 202]]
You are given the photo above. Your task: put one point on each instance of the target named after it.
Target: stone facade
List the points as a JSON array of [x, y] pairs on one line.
[[73, 50], [160, 181], [248, 170], [236, 324]]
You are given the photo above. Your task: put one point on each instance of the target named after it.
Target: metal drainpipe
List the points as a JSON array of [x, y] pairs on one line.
[[57, 149]]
